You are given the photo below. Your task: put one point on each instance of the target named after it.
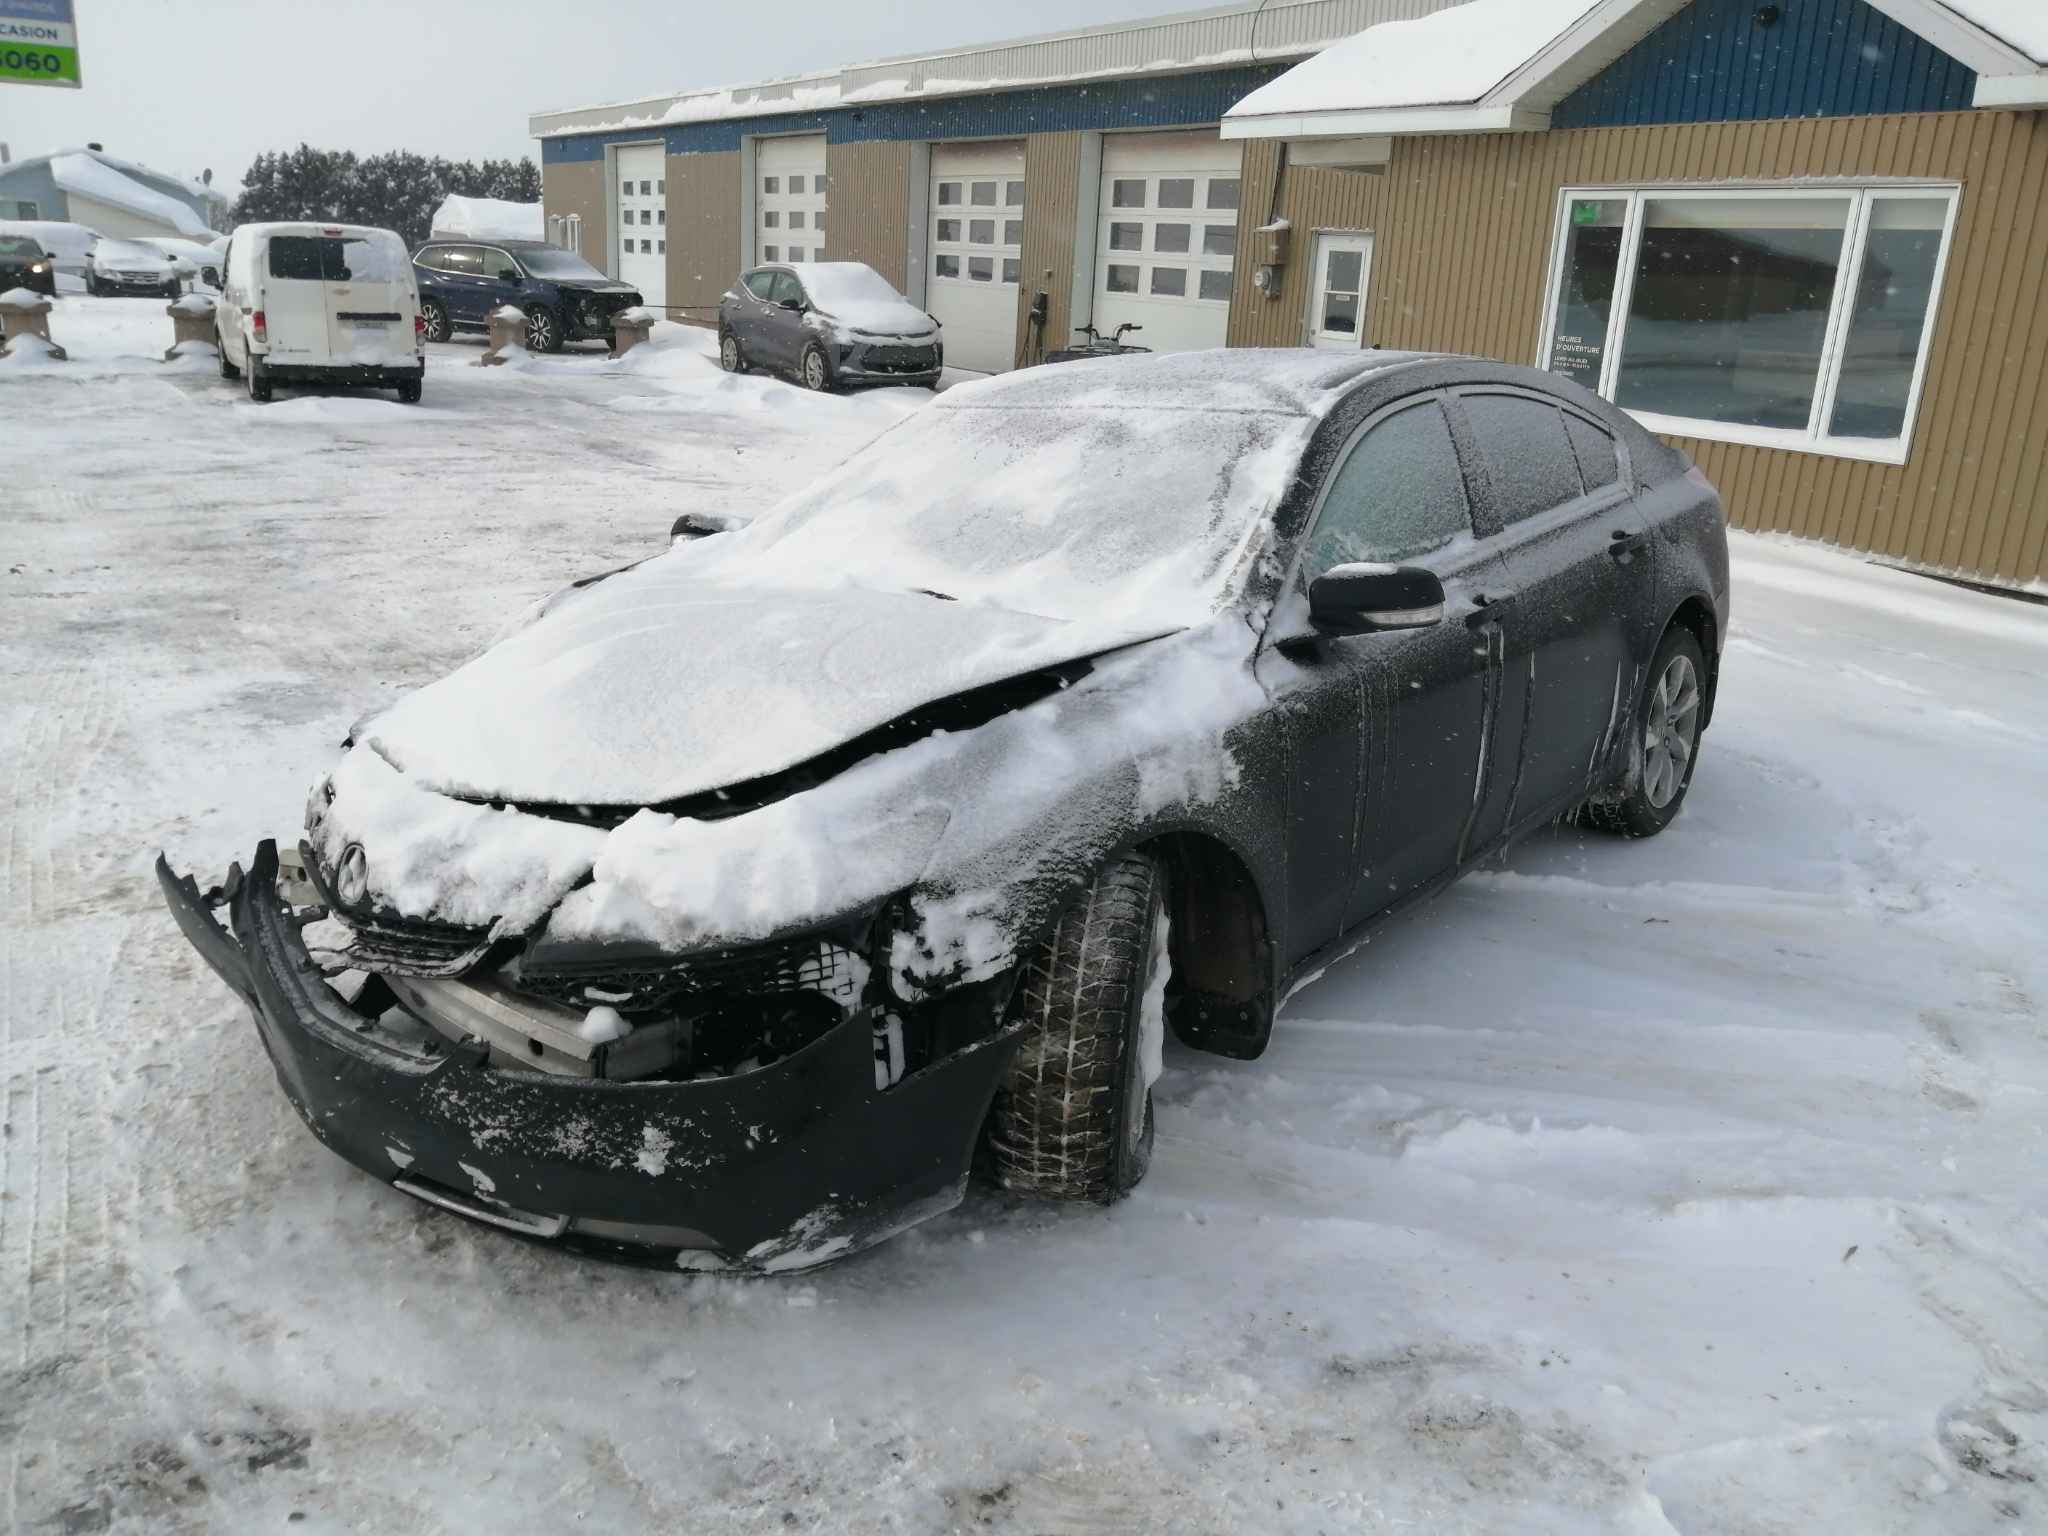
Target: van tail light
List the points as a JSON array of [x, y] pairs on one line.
[[419, 327], [256, 325]]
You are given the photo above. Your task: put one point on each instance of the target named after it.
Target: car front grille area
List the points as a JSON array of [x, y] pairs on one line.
[[406, 947], [899, 360], [816, 967]]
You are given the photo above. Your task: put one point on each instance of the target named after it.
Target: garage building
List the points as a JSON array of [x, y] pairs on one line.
[[1806, 240]]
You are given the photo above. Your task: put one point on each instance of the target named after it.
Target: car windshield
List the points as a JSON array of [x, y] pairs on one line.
[[19, 248], [1152, 512], [551, 262]]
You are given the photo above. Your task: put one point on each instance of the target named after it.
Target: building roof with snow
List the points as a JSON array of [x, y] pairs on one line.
[[113, 196], [1495, 65]]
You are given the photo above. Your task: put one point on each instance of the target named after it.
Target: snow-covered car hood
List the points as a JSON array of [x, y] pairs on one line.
[[655, 684]]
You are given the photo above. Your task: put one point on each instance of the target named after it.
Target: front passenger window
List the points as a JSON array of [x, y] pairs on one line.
[[1399, 495], [788, 289], [761, 285]]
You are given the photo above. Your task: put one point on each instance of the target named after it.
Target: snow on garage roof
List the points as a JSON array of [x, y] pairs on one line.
[[1495, 65], [83, 173]]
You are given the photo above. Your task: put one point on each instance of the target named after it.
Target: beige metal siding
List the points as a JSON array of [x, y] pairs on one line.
[[1310, 200], [578, 187], [1464, 230], [1052, 193], [704, 228], [867, 213]]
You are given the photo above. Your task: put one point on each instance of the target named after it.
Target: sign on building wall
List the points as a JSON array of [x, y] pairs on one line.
[[38, 43]]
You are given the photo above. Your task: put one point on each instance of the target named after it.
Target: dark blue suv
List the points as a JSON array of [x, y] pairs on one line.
[[564, 296]]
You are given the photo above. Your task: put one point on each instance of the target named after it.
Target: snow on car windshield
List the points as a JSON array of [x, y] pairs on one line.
[[853, 292], [548, 261], [1072, 512], [126, 250]]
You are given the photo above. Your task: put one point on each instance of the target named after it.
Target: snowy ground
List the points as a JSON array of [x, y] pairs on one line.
[[1688, 1186]]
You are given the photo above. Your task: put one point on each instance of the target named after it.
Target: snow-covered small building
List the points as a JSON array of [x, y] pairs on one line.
[[114, 197], [487, 218]]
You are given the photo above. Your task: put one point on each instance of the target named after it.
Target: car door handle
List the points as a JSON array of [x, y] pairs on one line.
[[1485, 610], [1622, 543]]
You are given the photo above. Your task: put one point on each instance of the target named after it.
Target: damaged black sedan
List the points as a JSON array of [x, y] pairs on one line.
[[736, 906]]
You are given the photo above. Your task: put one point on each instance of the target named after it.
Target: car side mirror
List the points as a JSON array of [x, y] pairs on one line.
[[507, 275], [1366, 599], [795, 304], [701, 525]]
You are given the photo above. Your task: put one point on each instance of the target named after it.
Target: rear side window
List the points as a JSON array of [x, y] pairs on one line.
[[1397, 496], [336, 258], [1529, 460], [1599, 465]]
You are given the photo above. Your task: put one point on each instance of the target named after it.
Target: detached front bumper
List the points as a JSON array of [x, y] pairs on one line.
[[778, 1169]]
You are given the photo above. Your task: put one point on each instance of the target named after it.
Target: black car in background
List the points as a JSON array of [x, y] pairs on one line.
[[827, 323], [565, 298], [25, 264], [718, 914]]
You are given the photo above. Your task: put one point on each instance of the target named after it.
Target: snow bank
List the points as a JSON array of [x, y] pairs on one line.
[[29, 352], [198, 305], [85, 174], [488, 218], [1450, 57]]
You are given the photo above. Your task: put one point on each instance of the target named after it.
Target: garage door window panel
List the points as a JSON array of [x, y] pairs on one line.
[[1782, 316]]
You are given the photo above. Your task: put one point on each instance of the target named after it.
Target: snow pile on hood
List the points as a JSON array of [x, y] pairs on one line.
[[131, 256], [65, 243], [87, 176], [858, 297], [488, 218]]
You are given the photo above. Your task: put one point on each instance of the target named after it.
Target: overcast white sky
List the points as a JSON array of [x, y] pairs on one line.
[[192, 84]]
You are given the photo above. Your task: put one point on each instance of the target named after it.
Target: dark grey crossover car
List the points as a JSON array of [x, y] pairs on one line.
[[727, 912], [828, 324]]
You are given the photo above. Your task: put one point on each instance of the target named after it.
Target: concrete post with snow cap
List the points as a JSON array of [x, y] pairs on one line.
[[630, 327], [24, 313], [508, 335], [191, 321]]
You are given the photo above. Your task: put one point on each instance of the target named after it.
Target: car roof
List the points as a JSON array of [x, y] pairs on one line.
[[1295, 381]]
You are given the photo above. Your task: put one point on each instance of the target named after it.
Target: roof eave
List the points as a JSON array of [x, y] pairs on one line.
[[2012, 92], [1466, 117]]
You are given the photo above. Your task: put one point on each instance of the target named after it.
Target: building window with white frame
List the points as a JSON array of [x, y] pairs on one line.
[[1795, 317]]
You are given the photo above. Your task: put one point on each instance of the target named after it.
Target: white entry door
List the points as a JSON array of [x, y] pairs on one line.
[[1167, 244], [1336, 300], [789, 199], [643, 221], [977, 235]]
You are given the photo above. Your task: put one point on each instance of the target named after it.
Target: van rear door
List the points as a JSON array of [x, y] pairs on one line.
[[352, 298], [293, 300], [372, 297]]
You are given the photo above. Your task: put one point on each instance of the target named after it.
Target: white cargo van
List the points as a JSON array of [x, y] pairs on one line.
[[320, 304]]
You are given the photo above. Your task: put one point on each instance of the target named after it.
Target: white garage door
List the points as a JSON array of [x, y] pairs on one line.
[[1168, 238], [789, 199], [977, 231], [643, 221]]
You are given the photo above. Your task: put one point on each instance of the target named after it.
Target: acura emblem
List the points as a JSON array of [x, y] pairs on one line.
[[352, 880]]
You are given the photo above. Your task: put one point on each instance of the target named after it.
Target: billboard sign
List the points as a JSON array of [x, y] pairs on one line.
[[38, 43]]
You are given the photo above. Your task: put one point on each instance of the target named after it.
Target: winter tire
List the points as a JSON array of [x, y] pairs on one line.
[[409, 392], [227, 369], [730, 358], [1664, 746], [543, 330], [435, 320], [258, 379], [813, 370], [1072, 1118]]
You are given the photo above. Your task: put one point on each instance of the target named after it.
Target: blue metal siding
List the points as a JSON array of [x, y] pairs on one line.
[[1163, 102], [32, 184], [1712, 62]]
